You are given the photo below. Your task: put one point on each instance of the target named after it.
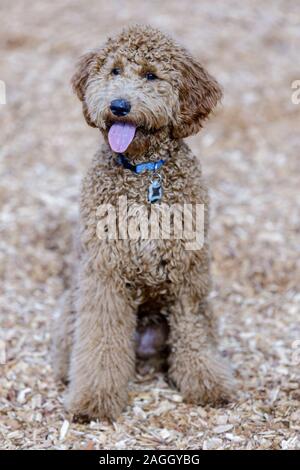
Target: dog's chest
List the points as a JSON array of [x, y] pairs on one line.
[[138, 241], [151, 262], [140, 237], [143, 241]]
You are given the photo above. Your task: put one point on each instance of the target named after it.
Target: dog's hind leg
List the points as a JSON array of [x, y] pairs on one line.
[[62, 334]]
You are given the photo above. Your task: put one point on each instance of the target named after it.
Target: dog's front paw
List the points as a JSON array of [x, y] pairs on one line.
[[103, 404], [205, 382]]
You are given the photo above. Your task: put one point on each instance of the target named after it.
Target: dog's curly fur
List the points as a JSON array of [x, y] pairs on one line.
[[94, 345]]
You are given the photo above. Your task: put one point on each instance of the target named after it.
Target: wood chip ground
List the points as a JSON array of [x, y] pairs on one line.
[[250, 152]]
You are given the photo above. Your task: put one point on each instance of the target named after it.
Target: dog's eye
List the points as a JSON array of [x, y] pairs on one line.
[[116, 71], [151, 76]]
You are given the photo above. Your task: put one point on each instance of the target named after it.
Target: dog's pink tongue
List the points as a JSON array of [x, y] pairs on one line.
[[120, 136]]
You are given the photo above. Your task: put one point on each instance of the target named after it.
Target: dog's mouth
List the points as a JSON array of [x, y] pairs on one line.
[[120, 135]]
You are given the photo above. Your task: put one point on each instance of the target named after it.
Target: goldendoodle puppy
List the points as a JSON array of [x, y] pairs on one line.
[[135, 296]]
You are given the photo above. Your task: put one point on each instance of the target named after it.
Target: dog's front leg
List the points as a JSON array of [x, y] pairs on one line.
[[102, 360], [196, 367]]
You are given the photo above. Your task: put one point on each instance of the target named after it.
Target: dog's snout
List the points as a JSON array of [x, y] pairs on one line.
[[120, 107]]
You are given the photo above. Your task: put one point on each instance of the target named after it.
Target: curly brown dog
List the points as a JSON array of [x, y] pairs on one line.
[[145, 93]]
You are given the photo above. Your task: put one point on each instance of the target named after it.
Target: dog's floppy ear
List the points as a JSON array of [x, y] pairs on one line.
[[199, 93], [82, 72], [86, 63]]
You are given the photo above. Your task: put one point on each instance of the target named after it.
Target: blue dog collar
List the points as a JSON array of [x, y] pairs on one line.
[[140, 167]]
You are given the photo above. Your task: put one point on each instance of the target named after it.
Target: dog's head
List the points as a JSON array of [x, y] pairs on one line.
[[140, 84]]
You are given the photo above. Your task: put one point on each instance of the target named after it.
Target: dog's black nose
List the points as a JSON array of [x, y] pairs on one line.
[[120, 107]]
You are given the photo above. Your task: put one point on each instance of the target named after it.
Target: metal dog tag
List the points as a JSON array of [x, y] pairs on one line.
[[155, 191]]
